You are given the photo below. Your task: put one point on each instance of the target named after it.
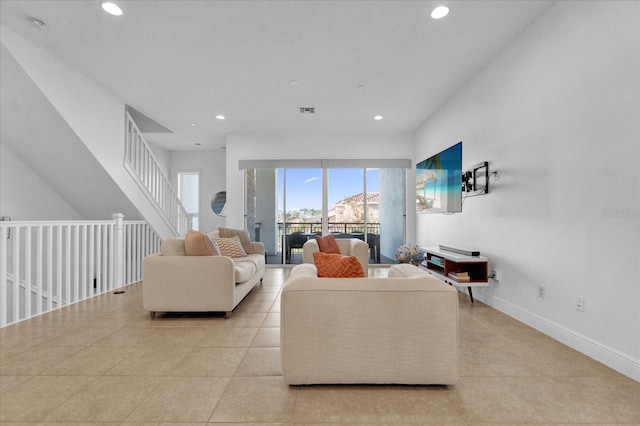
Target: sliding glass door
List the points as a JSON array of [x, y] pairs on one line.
[[302, 196], [290, 205]]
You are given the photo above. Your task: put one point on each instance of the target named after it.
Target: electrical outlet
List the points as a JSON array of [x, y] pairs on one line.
[[541, 291], [580, 303], [495, 274]]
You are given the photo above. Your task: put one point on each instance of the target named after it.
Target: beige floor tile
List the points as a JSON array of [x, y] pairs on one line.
[[246, 319], [33, 399], [256, 400], [556, 360], [262, 296], [267, 337], [272, 320], [253, 306], [491, 400], [275, 307], [490, 361], [82, 336], [22, 335], [150, 361], [210, 362], [91, 361], [36, 360], [510, 373], [239, 337], [179, 399], [335, 404], [415, 405], [9, 382], [105, 399], [260, 362], [581, 399]]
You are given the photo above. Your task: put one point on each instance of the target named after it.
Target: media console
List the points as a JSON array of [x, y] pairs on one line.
[[457, 269]]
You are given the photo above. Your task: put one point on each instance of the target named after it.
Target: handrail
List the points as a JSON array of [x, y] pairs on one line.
[[144, 167], [45, 265]]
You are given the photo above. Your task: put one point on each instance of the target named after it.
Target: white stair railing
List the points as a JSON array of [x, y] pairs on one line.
[[143, 166], [47, 265]]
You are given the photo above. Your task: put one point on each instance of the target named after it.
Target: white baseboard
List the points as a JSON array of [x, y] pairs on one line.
[[610, 357]]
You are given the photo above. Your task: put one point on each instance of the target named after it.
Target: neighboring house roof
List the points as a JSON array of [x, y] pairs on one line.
[[372, 198]]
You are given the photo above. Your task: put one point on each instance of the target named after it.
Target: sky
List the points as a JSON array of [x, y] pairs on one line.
[[304, 186]]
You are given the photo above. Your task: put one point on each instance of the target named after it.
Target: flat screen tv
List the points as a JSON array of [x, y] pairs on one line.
[[439, 182]]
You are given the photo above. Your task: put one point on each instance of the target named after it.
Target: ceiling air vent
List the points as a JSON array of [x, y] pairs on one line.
[[307, 110]]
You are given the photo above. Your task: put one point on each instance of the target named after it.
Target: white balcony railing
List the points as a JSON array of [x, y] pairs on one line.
[[47, 265], [143, 166]]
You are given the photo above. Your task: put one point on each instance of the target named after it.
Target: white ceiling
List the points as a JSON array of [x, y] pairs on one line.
[[182, 62]]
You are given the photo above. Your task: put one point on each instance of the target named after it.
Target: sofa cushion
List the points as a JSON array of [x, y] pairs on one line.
[[331, 265], [230, 247], [242, 234], [244, 271], [256, 259], [173, 247], [197, 243], [406, 270], [328, 244]]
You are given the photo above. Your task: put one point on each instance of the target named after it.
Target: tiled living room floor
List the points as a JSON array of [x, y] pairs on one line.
[[104, 361]]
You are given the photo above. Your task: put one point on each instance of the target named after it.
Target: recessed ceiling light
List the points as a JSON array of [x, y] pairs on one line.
[[192, 124], [439, 12], [197, 144], [293, 82], [378, 117], [220, 117], [360, 86], [111, 8]]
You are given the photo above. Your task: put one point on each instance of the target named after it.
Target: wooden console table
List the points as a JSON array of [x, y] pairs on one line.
[[453, 268]]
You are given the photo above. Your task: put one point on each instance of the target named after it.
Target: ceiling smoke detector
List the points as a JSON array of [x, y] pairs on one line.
[[36, 23], [307, 110]]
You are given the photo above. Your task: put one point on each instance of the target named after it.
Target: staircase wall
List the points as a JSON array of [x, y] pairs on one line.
[[95, 118]]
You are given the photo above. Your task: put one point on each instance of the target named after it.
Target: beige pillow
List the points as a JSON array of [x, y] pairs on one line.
[[198, 244], [241, 234], [230, 247]]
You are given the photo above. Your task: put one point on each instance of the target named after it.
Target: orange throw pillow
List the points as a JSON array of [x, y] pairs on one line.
[[199, 244], [331, 265], [328, 244]]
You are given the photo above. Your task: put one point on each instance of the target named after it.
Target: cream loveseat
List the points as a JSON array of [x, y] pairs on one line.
[[175, 282], [402, 329], [347, 246]]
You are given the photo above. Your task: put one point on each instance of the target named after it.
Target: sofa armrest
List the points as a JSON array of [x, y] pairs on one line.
[[257, 248], [310, 247], [188, 283]]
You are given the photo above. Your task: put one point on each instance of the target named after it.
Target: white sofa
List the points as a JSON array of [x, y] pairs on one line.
[[402, 329], [347, 246], [175, 282]]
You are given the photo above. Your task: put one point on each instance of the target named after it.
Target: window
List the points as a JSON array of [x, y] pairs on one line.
[[189, 194]]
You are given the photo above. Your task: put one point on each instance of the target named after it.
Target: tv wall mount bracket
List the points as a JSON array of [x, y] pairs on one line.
[[475, 181]]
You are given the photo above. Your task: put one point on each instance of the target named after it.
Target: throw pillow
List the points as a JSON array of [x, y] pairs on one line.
[[199, 244], [331, 265], [231, 247], [242, 234], [328, 244]]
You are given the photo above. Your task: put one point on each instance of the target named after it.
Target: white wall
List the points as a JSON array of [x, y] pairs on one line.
[[26, 196], [100, 127], [211, 166], [558, 113], [329, 146], [163, 158]]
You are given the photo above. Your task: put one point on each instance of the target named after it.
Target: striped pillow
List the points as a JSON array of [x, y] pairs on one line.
[[231, 247]]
